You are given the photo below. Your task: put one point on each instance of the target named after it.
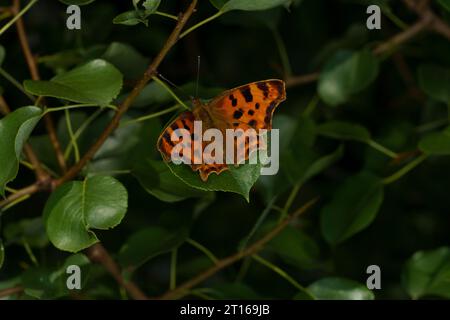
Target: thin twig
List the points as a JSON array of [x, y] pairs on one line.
[[32, 66], [97, 253], [223, 263], [10, 291], [31, 189], [126, 104]]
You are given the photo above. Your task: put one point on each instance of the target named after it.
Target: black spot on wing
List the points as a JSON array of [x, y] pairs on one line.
[[251, 112], [166, 137], [237, 114], [264, 88], [257, 106], [185, 125], [233, 100], [252, 123], [247, 94], [278, 85]]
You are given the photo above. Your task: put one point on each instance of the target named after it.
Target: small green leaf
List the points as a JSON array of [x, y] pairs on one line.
[[344, 131], [129, 18], [157, 179], [151, 6], [437, 143], [435, 81], [346, 74], [77, 2], [353, 207], [97, 82], [252, 5], [427, 273], [148, 243], [15, 129], [238, 180], [76, 207], [340, 289]]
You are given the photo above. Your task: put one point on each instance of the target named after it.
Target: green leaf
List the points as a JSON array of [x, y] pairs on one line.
[[321, 164], [151, 6], [76, 207], [32, 231], [15, 128], [344, 131], [427, 273], [149, 243], [339, 289], [435, 81], [77, 2], [157, 179], [127, 59], [294, 247], [97, 82], [445, 4], [437, 143], [251, 5], [238, 180], [346, 74], [353, 207], [129, 18]]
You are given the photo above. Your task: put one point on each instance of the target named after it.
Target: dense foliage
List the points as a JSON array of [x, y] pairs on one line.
[[364, 145]]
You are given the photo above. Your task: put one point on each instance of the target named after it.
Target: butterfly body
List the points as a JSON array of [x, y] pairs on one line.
[[250, 106]]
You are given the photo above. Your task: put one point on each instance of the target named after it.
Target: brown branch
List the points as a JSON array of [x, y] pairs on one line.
[[10, 291], [126, 104], [27, 191], [32, 66], [223, 263], [97, 253], [293, 81]]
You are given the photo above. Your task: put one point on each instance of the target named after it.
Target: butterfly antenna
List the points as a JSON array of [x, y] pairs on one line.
[[173, 84], [198, 76]]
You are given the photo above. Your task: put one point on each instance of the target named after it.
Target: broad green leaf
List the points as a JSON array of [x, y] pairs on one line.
[[129, 18], [46, 283], [303, 295], [346, 74], [31, 231], [96, 82], [151, 6], [437, 143], [157, 179], [127, 59], [148, 243], [321, 164], [445, 4], [15, 128], [435, 81], [77, 207], [294, 247], [344, 131], [427, 273], [339, 289], [238, 180], [352, 208], [251, 5], [2, 54], [218, 3], [77, 2]]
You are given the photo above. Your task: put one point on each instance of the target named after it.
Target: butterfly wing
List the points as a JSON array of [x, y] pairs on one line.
[[248, 106], [165, 146]]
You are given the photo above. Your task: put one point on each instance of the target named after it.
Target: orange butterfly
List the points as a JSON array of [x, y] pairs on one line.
[[248, 106]]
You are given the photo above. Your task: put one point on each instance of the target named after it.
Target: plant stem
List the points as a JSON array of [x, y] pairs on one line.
[[151, 115], [400, 173], [17, 16], [280, 272], [382, 149], [167, 15], [15, 83], [201, 23], [29, 251], [283, 53], [290, 200], [311, 106], [76, 106], [73, 140], [170, 91], [203, 249]]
